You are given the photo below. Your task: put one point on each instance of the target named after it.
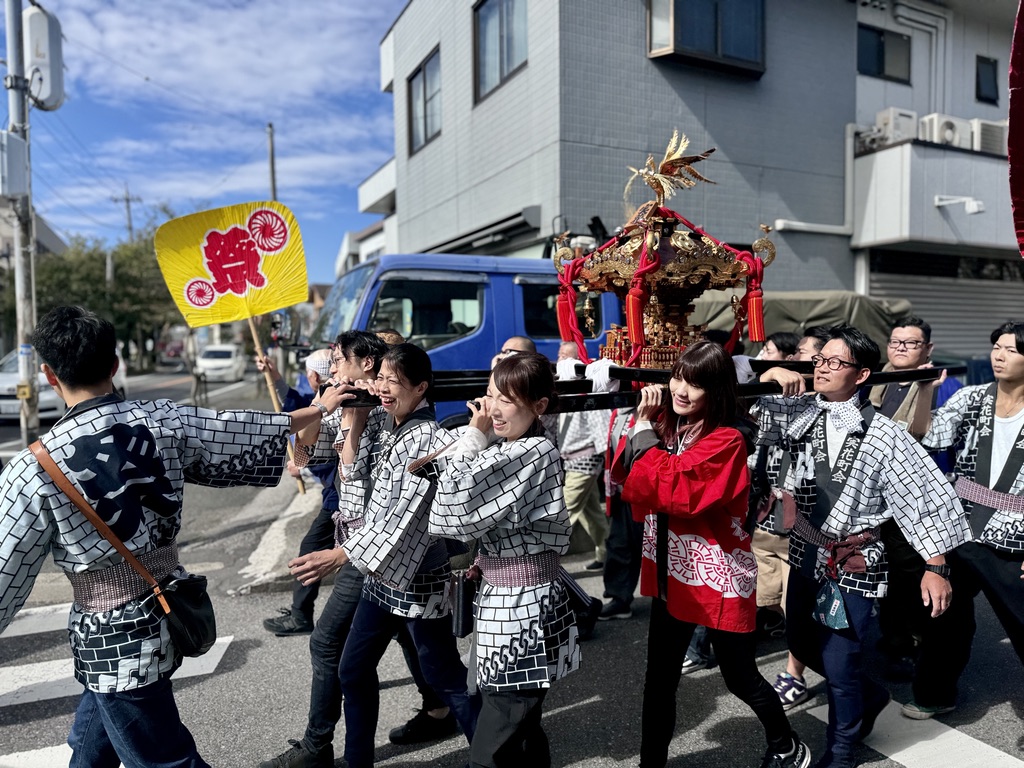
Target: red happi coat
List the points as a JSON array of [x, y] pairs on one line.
[[703, 491]]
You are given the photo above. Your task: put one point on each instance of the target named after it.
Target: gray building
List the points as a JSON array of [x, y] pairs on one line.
[[870, 134]]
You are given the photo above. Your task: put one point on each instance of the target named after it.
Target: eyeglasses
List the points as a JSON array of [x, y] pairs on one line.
[[905, 343], [337, 359], [833, 363], [507, 352]]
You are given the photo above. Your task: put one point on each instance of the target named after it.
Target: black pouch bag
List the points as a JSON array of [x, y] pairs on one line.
[[190, 618], [463, 595]]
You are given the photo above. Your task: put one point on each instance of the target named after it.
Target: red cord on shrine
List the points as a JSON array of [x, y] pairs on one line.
[[568, 323]]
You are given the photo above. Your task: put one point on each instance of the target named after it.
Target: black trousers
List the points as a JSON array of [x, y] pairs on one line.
[[901, 614], [508, 731], [319, 536], [622, 561], [667, 641], [947, 642]]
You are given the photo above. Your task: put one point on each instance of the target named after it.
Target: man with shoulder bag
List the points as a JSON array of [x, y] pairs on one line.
[[136, 610]]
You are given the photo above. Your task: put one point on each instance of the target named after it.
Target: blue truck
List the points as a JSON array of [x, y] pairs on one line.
[[460, 308]]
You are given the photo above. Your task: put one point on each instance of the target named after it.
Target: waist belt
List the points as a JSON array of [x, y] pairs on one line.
[[846, 552], [519, 571], [108, 588], [971, 491]]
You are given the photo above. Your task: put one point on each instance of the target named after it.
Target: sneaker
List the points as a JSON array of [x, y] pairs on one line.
[[774, 625], [299, 756], [871, 713], [615, 609], [422, 727], [585, 624], [288, 623], [916, 711], [597, 565], [798, 757], [689, 665], [791, 690]]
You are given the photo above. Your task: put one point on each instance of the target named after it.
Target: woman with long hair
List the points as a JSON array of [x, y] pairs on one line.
[[688, 480], [502, 484]]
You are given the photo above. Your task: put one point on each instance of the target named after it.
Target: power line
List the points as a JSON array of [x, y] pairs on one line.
[[67, 202], [127, 199]]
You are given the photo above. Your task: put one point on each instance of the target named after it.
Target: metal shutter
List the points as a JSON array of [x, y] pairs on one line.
[[962, 312]]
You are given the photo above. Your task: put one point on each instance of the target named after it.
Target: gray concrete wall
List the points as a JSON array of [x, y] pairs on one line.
[[492, 158], [779, 139]]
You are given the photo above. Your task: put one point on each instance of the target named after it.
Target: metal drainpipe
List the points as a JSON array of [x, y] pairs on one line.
[[846, 228]]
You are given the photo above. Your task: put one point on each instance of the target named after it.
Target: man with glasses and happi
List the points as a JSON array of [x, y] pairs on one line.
[[849, 469], [900, 614]]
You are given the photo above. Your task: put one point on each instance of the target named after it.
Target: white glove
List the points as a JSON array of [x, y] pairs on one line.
[[565, 370], [597, 372]]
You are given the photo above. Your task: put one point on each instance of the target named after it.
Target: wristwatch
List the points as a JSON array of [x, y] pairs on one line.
[[942, 570], [323, 410]]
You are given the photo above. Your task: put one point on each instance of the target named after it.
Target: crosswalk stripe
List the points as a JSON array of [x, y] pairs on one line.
[[41, 681], [47, 618], [38, 758], [927, 743]]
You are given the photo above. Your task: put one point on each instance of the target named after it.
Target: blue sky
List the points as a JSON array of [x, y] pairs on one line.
[[173, 99]]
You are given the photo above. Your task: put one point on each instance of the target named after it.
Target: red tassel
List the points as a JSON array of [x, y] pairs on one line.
[[636, 301], [755, 316], [566, 316]]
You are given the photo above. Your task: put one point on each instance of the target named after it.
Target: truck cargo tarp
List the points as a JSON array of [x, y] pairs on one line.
[[797, 310]]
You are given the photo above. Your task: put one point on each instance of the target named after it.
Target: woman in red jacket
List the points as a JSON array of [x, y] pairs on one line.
[[688, 482]]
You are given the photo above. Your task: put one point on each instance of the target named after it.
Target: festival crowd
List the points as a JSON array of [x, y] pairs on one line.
[[804, 515]]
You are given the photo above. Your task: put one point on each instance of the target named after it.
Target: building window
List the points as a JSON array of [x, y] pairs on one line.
[[425, 102], [986, 84], [722, 34], [882, 53], [500, 42]]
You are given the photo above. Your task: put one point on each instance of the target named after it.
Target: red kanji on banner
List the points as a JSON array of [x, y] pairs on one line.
[[233, 261]]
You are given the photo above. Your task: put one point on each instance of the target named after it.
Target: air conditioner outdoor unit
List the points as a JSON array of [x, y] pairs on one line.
[[989, 136], [946, 129], [897, 124]]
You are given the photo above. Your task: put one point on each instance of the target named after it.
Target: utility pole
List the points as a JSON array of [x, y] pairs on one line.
[[127, 199], [24, 296], [273, 171]]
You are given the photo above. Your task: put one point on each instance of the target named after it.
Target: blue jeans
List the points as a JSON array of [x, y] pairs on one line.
[[139, 728], [837, 655], [371, 631], [325, 647], [699, 650]]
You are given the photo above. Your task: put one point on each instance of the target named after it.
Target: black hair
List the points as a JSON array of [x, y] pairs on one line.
[[865, 352], [525, 378], [78, 345], [784, 341], [913, 321], [1014, 327], [362, 344], [707, 365], [411, 362], [819, 333]]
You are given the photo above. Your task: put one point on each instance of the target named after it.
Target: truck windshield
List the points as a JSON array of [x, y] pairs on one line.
[[340, 307]]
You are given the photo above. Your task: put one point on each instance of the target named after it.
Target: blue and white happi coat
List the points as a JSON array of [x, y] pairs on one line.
[[130, 460]]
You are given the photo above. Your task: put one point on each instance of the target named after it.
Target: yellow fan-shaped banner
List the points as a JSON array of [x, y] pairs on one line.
[[233, 263]]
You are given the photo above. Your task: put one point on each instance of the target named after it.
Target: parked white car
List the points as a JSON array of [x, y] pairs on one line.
[[222, 362], [50, 405]]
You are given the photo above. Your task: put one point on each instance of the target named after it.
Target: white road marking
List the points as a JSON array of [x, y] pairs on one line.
[[47, 618], [275, 544], [927, 743], [45, 680]]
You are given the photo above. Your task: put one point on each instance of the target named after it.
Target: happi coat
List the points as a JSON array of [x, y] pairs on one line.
[[407, 570], [965, 423], [888, 476], [508, 494], [694, 506], [130, 460]]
